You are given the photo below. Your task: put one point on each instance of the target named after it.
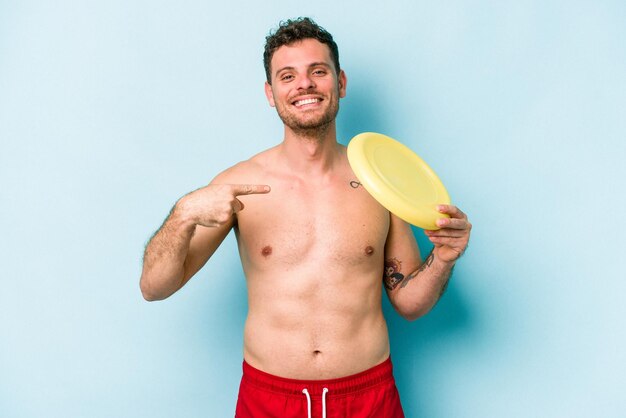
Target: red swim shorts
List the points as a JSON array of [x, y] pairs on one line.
[[371, 394]]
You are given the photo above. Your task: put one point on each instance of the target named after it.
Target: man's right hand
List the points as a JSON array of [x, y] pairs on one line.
[[215, 204]]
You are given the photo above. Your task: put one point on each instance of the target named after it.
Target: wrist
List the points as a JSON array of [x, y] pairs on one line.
[[442, 263], [182, 214]]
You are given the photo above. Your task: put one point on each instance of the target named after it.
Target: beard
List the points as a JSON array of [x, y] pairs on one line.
[[309, 125]]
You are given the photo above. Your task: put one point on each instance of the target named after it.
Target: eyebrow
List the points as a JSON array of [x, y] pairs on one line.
[[313, 64]]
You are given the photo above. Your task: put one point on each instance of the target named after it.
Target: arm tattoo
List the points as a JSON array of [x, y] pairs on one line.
[[426, 263], [392, 276]]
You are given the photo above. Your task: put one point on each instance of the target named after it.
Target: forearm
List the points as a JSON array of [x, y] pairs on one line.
[[196, 226], [164, 258], [418, 292]]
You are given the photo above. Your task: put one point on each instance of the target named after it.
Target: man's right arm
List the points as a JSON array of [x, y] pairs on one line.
[[194, 229]]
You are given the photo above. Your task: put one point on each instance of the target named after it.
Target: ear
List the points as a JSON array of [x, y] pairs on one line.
[[269, 94], [343, 83]]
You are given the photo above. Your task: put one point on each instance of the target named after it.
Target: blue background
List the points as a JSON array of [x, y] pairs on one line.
[[110, 111]]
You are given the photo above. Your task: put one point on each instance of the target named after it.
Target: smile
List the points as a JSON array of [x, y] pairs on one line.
[[304, 102]]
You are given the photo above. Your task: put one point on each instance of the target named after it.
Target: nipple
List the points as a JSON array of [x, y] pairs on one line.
[[369, 250], [266, 251]]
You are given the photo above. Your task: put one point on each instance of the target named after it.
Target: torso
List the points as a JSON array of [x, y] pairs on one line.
[[312, 253]]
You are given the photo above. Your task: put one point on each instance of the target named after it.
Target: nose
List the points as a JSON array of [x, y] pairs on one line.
[[305, 82]]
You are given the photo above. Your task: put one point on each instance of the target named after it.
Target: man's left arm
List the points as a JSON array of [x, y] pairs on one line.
[[414, 286]]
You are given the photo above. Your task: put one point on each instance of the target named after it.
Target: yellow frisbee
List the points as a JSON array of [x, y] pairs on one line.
[[398, 179]]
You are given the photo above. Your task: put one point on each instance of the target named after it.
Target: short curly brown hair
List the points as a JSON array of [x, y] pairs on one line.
[[294, 30]]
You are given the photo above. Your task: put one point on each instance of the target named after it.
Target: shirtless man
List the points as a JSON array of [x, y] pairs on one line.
[[315, 247]]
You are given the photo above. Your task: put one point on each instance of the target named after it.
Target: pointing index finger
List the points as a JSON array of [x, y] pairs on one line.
[[242, 189]]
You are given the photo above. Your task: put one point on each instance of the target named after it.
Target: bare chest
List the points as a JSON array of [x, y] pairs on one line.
[[295, 225]]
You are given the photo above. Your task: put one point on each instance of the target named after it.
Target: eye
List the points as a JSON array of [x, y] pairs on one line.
[[320, 72], [286, 77]]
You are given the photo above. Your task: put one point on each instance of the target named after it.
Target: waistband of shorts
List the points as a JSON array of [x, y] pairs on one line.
[[367, 379]]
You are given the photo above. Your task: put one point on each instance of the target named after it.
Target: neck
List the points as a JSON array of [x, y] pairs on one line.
[[312, 151]]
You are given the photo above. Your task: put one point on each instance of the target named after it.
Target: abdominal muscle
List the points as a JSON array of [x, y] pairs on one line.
[[310, 329]]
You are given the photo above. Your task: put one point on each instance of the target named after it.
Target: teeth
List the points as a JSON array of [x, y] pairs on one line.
[[306, 102]]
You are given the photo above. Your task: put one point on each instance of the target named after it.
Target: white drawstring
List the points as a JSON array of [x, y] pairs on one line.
[[308, 401]]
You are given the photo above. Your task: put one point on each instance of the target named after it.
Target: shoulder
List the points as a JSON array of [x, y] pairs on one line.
[[245, 172]]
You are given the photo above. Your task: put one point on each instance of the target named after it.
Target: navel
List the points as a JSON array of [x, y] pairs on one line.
[[369, 250], [266, 251]]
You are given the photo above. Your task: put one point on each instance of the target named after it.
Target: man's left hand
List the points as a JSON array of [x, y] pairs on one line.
[[451, 240]]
